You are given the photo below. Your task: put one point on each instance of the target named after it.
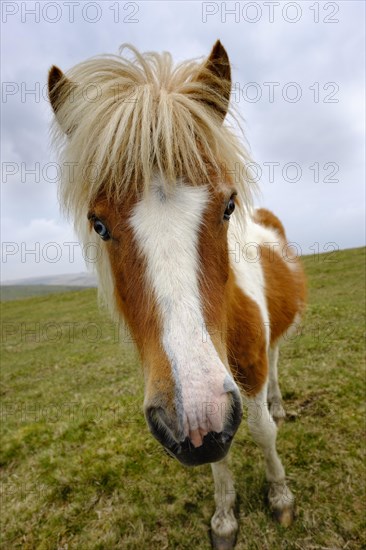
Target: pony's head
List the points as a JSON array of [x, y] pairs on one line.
[[152, 174]]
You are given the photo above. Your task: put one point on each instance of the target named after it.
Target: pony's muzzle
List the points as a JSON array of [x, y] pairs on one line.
[[215, 445]]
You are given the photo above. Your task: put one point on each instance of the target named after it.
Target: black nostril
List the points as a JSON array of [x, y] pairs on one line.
[[235, 416], [161, 427]]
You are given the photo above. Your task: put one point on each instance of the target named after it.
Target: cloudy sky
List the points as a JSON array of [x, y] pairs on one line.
[[298, 74]]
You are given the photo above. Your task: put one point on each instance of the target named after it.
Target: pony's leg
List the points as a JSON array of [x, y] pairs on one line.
[[224, 526], [274, 393], [264, 432]]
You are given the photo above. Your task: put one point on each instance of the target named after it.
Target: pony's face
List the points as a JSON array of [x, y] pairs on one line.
[[169, 259], [168, 256]]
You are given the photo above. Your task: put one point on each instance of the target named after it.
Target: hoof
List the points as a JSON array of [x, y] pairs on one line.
[[224, 529], [285, 517], [282, 503], [221, 543]]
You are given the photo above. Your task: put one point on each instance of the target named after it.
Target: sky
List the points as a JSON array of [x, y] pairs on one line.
[[298, 81]]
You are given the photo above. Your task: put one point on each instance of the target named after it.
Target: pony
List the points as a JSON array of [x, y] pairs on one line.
[[156, 175]]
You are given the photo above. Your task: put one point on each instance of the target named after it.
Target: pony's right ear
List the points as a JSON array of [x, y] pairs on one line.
[[59, 91], [215, 74]]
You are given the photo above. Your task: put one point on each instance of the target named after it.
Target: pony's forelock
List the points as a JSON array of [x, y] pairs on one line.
[[133, 118]]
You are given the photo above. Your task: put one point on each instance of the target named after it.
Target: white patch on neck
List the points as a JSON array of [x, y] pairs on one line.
[[247, 266], [167, 231]]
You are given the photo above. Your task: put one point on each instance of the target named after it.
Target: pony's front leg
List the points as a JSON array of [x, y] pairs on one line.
[[264, 432], [224, 526], [274, 393]]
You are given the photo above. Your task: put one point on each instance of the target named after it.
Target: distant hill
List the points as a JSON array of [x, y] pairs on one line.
[[18, 292], [86, 280], [40, 286]]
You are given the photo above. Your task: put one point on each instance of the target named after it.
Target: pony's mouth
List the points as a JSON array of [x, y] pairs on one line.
[[214, 448]]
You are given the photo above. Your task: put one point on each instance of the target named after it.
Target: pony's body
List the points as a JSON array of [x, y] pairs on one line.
[[267, 300], [156, 174]]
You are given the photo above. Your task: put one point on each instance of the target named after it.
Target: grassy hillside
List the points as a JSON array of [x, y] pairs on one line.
[[80, 470], [17, 292]]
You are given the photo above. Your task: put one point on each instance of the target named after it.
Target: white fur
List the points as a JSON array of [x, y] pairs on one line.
[[245, 257], [274, 397], [248, 267], [263, 235], [223, 522], [269, 236], [167, 226], [264, 432]]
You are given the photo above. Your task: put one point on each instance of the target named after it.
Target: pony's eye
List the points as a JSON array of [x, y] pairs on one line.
[[229, 208], [101, 229]]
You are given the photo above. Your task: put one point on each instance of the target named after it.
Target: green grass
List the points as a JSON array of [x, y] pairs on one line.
[[79, 469], [17, 292]]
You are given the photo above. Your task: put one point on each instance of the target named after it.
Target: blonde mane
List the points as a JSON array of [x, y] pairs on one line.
[[129, 119], [121, 121]]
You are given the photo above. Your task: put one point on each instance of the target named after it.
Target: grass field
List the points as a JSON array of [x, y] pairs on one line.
[[17, 292], [79, 469]]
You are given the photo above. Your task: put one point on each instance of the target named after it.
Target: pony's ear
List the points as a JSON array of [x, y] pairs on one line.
[[59, 91], [215, 74]]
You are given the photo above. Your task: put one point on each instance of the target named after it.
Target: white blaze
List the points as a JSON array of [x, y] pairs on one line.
[[167, 231]]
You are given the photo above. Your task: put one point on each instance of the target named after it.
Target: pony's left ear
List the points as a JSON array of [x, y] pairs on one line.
[[215, 74], [59, 91]]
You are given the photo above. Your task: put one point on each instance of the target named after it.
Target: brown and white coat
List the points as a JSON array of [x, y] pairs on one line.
[[206, 299]]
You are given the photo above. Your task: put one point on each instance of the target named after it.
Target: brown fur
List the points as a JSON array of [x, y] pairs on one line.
[[285, 289], [215, 269], [246, 341], [284, 278], [285, 292], [268, 219]]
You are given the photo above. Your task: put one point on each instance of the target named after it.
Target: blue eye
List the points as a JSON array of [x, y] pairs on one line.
[[229, 208], [101, 229]]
